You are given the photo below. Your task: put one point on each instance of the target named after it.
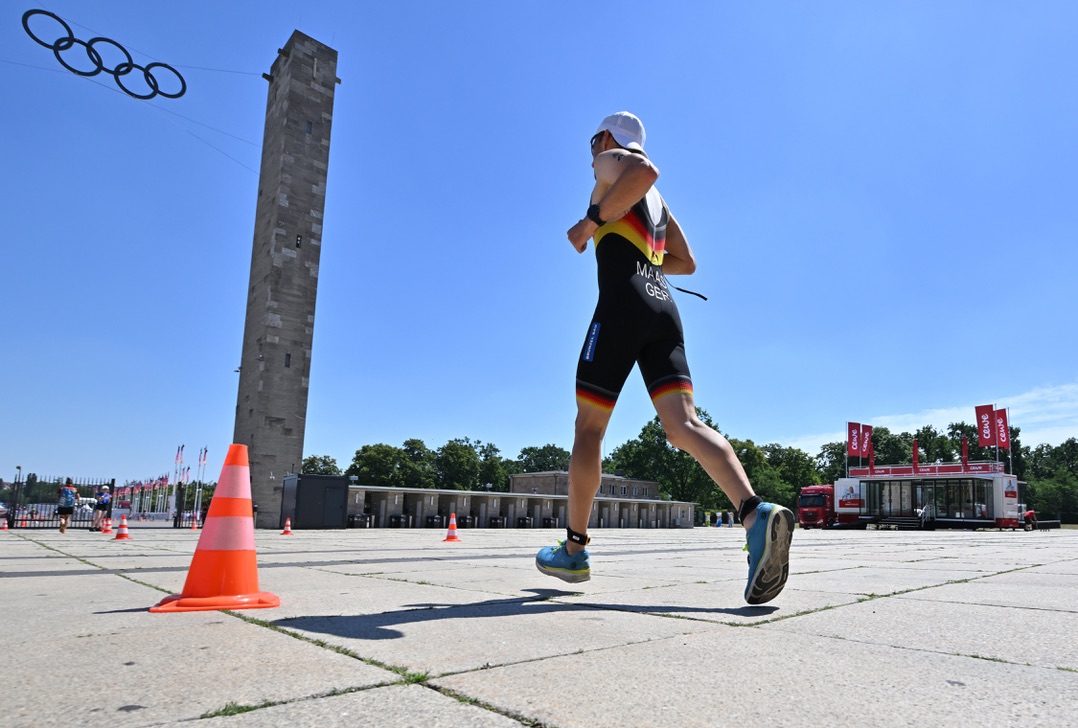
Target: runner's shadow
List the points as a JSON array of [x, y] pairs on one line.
[[384, 625]]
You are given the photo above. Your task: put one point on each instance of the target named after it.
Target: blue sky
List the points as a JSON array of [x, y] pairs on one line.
[[881, 198]]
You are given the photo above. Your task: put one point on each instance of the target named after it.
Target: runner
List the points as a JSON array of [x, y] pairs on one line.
[[101, 509], [67, 497], [636, 321]]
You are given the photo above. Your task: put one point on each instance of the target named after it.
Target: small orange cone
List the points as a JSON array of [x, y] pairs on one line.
[[224, 570], [194, 522], [452, 536], [106, 526], [287, 527], [3, 524], [121, 530]]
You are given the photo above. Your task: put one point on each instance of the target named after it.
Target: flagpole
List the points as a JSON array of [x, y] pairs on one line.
[[1010, 444], [846, 450]]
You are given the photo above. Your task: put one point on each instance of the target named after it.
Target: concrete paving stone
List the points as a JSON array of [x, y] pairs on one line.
[[1030, 636], [494, 631], [316, 593], [720, 602], [1028, 588], [401, 706], [754, 677], [660, 635], [197, 663], [1059, 568], [877, 580], [521, 581]]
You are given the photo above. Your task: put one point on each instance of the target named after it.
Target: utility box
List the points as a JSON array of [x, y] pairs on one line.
[[314, 501]]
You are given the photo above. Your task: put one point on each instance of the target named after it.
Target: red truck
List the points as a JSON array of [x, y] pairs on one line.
[[816, 506]]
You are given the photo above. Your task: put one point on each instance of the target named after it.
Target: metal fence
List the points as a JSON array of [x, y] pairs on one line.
[[33, 503]]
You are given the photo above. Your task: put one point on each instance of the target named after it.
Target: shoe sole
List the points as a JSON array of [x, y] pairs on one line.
[[573, 577], [774, 566]]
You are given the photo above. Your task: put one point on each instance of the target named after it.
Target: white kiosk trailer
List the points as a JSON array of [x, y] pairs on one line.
[[947, 495]]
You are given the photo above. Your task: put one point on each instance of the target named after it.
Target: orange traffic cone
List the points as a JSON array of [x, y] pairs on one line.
[[194, 522], [3, 524], [106, 526], [121, 530], [452, 536], [287, 527], [224, 571]]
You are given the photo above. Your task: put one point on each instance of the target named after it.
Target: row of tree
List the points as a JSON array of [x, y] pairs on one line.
[[777, 473], [460, 464]]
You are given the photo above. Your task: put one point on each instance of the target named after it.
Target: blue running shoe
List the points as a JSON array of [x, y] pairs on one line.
[[556, 561], [768, 545]]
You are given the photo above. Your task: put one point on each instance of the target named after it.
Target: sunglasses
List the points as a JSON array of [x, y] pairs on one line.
[[595, 139]]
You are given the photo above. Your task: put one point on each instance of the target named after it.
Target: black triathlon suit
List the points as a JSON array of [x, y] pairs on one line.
[[636, 320]]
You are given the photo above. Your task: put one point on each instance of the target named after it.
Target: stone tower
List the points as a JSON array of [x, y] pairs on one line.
[[275, 366]]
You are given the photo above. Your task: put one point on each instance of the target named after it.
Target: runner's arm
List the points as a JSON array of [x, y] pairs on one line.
[[678, 259], [621, 180]]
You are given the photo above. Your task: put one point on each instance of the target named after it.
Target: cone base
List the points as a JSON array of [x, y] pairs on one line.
[[122, 537], [180, 603], [451, 538]]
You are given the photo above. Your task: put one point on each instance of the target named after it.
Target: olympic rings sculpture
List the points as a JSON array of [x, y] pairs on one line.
[[118, 72]]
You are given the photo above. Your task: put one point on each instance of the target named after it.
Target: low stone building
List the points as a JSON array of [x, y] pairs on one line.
[[535, 500]]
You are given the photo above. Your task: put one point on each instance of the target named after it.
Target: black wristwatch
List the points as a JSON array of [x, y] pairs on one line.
[[593, 215]]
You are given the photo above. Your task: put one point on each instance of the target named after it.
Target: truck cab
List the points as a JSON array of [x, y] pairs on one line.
[[816, 506]]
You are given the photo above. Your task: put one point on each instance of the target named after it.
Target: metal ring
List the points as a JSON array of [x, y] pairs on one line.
[[69, 41], [57, 18], [93, 55], [114, 72], [125, 68], [183, 84]]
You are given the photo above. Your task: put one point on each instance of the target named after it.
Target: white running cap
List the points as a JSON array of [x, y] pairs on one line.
[[626, 128]]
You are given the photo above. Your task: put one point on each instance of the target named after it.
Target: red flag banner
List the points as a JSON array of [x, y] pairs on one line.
[[866, 440], [965, 451], [986, 425], [853, 439], [915, 455], [1003, 432]]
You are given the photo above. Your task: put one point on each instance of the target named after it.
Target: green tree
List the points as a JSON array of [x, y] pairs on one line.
[[418, 468], [891, 448], [956, 431], [794, 466], [1057, 497], [543, 459], [320, 465], [456, 465], [651, 457], [831, 462], [1017, 457], [935, 446], [767, 482], [493, 468], [380, 464]]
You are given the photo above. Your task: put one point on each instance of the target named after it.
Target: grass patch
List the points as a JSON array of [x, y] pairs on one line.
[[413, 678], [235, 709]]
